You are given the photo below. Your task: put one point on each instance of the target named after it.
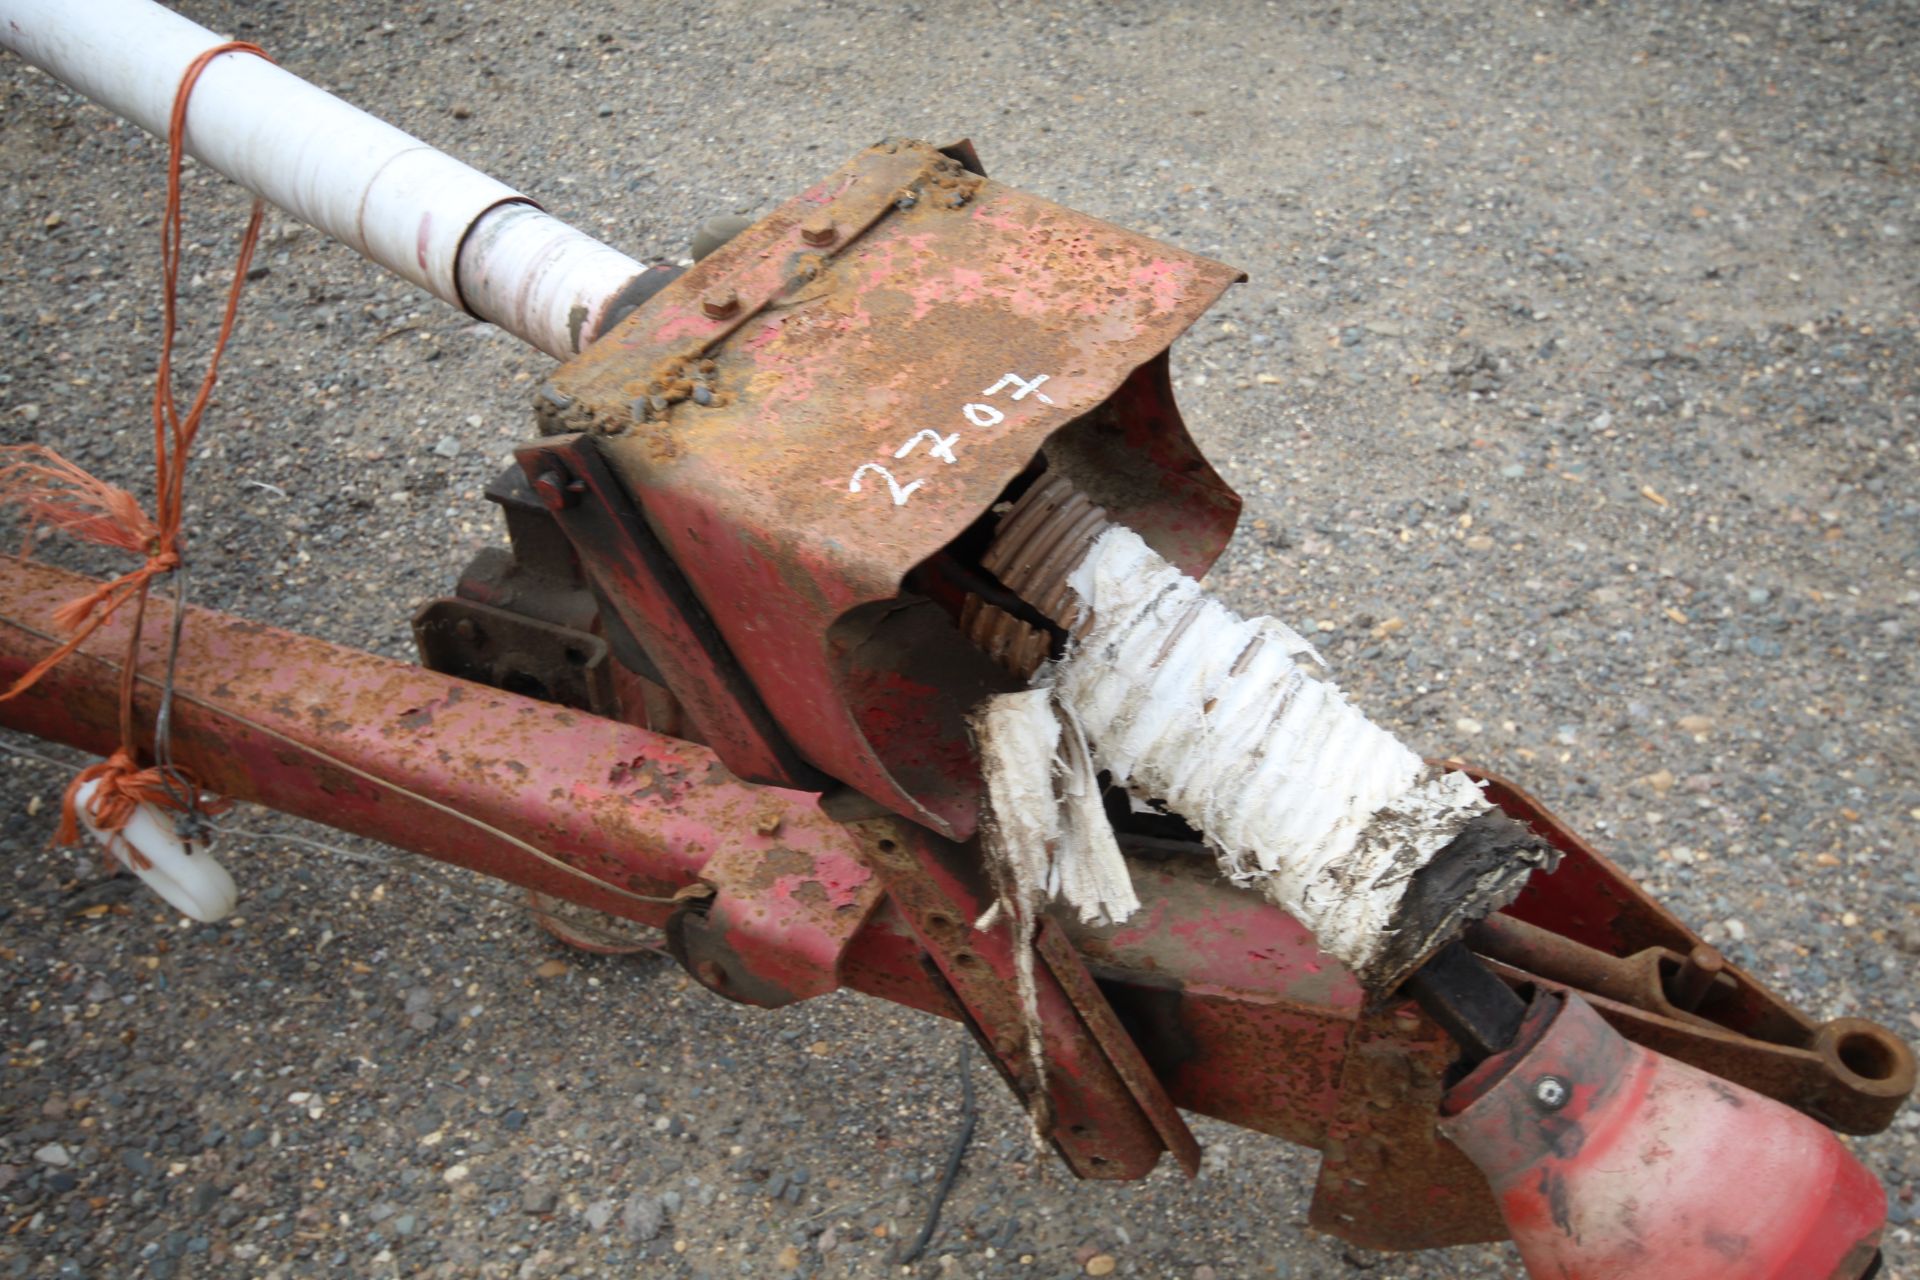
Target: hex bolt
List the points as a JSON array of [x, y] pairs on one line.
[[1551, 1093], [818, 230], [720, 304], [557, 492]]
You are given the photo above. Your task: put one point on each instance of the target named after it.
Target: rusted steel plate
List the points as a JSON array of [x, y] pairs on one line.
[[836, 395], [1195, 927], [1228, 997], [779, 921], [1122, 1054], [1388, 1179]]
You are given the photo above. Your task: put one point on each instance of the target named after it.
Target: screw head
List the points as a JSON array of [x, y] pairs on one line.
[[818, 230], [1551, 1092], [555, 490], [720, 304]]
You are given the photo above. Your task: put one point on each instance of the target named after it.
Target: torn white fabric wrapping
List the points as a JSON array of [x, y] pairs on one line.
[[1055, 843], [1019, 739], [1185, 702], [1048, 836]]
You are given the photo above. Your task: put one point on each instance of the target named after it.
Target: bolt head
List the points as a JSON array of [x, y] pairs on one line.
[[1551, 1093], [555, 490], [818, 230], [720, 304]]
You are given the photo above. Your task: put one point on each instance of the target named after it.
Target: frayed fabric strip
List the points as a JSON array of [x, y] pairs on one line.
[[1189, 705], [1047, 835], [1050, 831]]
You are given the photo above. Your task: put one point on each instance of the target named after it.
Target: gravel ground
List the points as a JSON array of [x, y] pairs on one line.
[[1573, 398]]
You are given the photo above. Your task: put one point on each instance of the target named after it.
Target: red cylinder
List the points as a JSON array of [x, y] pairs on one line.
[[1611, 1162]]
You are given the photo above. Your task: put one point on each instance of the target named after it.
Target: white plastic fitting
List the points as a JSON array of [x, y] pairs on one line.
[[193, 882]]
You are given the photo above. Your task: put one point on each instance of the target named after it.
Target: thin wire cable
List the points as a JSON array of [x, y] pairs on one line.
[[969, 1116], [193, 815], [426, 870]]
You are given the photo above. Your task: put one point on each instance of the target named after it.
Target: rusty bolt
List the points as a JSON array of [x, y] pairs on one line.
[[720, 304], [557, 491], [818, 230], [710, 974], [465, 630]]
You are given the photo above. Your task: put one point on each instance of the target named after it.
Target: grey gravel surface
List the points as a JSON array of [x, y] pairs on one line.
[[1573, 398]]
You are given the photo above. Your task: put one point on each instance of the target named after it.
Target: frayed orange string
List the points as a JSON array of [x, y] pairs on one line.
[[55, 492]]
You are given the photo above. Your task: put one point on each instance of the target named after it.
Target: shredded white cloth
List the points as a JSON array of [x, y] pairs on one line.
[[1184, 702], [1043, 800], [1048, 837]]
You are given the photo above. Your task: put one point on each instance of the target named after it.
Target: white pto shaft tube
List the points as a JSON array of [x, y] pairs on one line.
[[466, 238]]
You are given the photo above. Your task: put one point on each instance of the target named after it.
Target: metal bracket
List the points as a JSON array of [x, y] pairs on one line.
[[778, 923], [1388, 1180], [1101, 1105], [1589, 928], [641, 584], [515, 652]]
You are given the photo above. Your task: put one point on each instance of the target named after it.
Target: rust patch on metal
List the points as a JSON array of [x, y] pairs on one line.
[[1388, 1179]]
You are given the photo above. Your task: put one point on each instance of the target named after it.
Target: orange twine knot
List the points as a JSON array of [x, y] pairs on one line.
[[59, 494], [124, 787]]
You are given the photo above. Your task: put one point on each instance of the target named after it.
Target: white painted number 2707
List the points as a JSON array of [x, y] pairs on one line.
[[941, 447]]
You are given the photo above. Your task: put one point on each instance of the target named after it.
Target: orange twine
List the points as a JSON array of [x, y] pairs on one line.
[[55, 492]]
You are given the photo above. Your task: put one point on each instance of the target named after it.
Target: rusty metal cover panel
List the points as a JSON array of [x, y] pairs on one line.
[[838, 393]]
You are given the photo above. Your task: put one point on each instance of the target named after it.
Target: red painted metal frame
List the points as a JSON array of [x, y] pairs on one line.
[[1233, 1011], [833, 398]]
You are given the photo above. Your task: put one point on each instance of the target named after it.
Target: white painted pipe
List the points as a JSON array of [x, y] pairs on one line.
[[467, 238]]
